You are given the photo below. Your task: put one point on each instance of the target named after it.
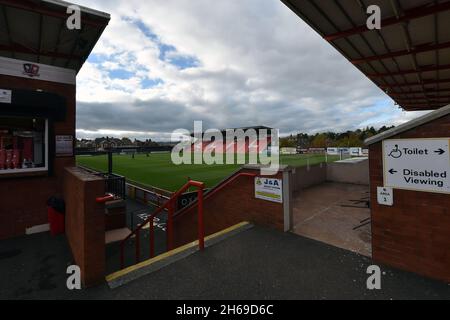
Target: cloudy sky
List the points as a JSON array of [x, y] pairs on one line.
[[161, 64]]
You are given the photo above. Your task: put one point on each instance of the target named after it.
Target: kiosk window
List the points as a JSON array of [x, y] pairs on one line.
[[23, 144]]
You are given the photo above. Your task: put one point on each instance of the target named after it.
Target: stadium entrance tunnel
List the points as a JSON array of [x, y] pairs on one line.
[[331, 204]]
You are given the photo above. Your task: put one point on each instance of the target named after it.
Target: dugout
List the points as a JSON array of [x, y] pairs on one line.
[[408, 58], [39, 61]]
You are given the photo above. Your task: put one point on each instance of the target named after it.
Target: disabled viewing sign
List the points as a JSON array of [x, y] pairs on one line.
[[269, 189], [417, 164]]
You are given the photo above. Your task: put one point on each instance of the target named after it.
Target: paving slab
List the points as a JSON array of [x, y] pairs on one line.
[[330, 212]]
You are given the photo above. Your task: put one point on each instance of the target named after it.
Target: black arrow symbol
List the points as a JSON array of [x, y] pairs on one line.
[[440, 151], [392, 171]]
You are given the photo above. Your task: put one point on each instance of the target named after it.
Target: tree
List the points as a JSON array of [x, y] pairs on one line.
[[355, 141], [319, 141], [126, 141], [287, 142], [303, 141]]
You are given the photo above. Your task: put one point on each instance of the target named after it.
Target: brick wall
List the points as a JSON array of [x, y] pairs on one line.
[[85, 223], [23, 200], [414, 234], [233, 204]]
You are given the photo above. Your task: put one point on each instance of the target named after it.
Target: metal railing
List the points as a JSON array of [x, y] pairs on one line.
[[105, 198], [170, 206], [216, 189], [115, 185]]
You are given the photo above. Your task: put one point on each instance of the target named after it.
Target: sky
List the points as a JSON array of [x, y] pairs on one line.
[[163, 64]]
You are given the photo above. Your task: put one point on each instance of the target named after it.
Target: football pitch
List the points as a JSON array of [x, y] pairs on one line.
[[157, 169]]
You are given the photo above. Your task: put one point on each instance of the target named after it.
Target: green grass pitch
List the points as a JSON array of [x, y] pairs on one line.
[[158, 170]]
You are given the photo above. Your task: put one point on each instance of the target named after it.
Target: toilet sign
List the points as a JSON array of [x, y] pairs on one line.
[[417, 164]]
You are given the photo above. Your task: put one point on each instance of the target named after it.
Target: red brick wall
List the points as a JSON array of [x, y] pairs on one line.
[[23, 200], [414, 234], [85, 223], [233, 204]]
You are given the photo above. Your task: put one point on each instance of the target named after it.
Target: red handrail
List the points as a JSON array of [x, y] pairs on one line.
[[227, 182], [169, 205], [217, 189], [106, 198]]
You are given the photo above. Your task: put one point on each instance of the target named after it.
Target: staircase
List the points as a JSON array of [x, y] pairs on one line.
[[163, 260], [145, 237], [148, 240]]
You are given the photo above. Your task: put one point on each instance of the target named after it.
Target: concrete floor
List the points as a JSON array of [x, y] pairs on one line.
[[256, 264], [34, 267], [329, 212]]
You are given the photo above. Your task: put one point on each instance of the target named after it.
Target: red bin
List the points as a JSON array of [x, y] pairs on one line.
[[56, 221], [55, 211]]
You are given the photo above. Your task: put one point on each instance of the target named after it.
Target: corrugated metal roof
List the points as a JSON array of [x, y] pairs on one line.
[[409, 58], [35, 30]]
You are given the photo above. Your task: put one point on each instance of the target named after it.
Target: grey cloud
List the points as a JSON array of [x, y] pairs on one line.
[[276, 72]]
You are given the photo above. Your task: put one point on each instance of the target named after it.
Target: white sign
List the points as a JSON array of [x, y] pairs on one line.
[[356, 152], [385, 196], [288, 150], [333, 151], [64, 146], [5, 96], [269, 189], [417, 164], [36, 71]]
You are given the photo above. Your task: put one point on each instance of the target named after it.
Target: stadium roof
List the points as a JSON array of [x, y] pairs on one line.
[[409, 58], [35, 30]]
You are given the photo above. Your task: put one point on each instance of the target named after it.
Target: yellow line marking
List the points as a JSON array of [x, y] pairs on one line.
[[121, 273], [227, 230], [148, 262]]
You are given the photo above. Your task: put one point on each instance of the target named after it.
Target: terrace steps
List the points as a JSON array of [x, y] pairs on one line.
[[133, 272]]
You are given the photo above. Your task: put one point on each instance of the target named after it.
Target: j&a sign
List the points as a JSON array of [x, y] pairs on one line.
[[269, 189]]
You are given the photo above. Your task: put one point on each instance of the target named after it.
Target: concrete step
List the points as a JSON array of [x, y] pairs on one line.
[[134, 272], [137, 214], [116, 235], [113, 249]]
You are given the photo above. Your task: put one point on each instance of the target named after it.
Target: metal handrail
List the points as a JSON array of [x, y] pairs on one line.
[[115, 184], [216, 190], [169, 205], [105, 198], [220, 187]]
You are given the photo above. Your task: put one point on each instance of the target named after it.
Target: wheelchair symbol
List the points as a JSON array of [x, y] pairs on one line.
[[395, 153]]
